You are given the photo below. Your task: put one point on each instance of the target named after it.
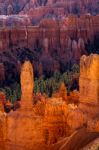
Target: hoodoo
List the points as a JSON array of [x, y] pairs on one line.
[[27, 85]]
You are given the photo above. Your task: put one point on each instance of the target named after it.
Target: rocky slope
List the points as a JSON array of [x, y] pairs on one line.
[[83, 136]]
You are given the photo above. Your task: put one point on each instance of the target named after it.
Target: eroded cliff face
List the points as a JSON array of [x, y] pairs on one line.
[[27, 127], [89, 83], [89, 79], [55, 120], [52, 42], [72, 38]]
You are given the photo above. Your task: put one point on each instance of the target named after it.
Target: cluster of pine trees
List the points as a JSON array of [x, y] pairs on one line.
[[44, 85]]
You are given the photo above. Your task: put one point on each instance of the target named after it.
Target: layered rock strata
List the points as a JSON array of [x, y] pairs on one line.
[[89, 84], [89, 79], [55, 120], [25, 128], [53, 43]]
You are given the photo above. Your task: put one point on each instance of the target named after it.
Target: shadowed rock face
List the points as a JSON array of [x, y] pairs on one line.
[[77, 140], [2, 74], [94, 145], [56, 43]]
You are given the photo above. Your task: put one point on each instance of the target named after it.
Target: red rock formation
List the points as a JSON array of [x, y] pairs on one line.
[[2, 126], [74, 97], [78, 140], [2, 73], [76, 119], [89, 85], [39, 108], [27, 126], [55, 120], [52, 119], [2, 97], [27, 85], [1, 107], [82, 29], [89, 77], [66, 41], [46, 45], [63, 92], [9, 9]]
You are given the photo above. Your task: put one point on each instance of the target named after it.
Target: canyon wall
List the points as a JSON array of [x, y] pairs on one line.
[[56, 43], [71, 33]]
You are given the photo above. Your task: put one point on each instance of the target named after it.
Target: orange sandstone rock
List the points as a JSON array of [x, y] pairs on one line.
[[74, 97], [76, 119], [63, 92], [2, 97], [89, 79], [1, 107], [24, 127], [55, 120], [89, 85], [2, 127], [27, 85]]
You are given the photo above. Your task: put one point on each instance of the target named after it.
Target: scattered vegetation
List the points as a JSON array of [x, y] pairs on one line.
[[12, 93], [51, 85], [46, 85]]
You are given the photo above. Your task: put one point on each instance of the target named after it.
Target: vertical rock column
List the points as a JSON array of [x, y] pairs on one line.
[[89, 79], [46, 45], [27, 85]]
